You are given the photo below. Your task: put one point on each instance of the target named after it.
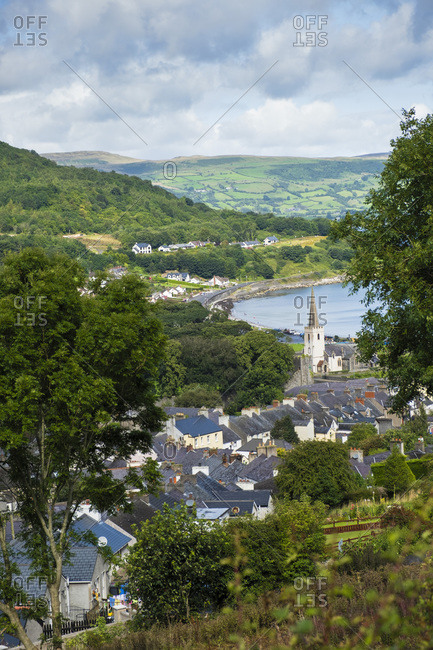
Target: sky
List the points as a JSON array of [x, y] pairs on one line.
[[157, 80]]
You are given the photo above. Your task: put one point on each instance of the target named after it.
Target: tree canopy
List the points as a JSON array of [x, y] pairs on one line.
[[78, 386], [318, 469], [175, 566], [393, 261], [284, 429]]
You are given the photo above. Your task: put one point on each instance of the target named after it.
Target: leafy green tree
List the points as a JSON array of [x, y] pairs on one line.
[[77, 387], [195, 395], [303, 522], [393, 261], [175, 566], [361, 432], [172, 371], [318, 469], [397, 474], [284, 429]]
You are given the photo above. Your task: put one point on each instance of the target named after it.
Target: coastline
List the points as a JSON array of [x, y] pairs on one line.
[[225, 298]]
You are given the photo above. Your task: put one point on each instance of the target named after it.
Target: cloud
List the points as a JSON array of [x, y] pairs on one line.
[[172, 69]]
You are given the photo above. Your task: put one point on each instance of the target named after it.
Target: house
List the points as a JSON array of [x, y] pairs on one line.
[[270, 240], [200, 432], [178, 277], [250, 244], [142, 249], [164, 249], [217, 281], [118, 271]]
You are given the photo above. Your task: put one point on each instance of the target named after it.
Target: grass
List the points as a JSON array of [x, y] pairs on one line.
[[303, 186], [96, 243], [298, 347]]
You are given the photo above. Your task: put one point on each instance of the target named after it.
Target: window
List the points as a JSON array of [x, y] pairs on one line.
[[208, 439], [308, 338], [318, 336]]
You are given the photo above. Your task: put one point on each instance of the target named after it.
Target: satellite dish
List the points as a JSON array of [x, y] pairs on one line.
[[102, 541], [235, 510], [190, 503]]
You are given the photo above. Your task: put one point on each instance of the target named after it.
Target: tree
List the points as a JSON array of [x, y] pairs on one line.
[[172, 371], [175, 566], [360, 433], [284, 429], [318, 469], [394, 260], [397, 475], [195, 395], [78, 386]]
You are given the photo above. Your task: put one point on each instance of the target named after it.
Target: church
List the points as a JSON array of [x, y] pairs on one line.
[[327, 357]]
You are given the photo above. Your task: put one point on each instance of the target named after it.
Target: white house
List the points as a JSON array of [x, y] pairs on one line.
[[270, 240], [143, 248], [164, 249], [217, 281]]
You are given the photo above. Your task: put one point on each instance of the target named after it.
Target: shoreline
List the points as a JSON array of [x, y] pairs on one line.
[[225, 298]]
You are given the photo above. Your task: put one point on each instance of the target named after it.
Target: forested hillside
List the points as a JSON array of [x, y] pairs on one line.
[[37, 196]]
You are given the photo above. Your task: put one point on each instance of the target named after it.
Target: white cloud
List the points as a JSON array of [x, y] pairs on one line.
[[172, 69]]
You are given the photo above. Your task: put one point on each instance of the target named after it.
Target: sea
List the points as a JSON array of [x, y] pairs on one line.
[[340, 312]]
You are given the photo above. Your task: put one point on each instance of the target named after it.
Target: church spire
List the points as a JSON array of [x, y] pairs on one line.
[[313, 319]]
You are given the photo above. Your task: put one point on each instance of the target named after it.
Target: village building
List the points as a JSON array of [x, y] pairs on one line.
[[142, 249]]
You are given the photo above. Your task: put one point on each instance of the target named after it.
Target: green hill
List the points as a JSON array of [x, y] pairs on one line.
[[309, 187], [40, 198]]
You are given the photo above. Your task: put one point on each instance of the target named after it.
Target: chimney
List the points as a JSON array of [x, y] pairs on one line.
[[261, 449], [370, 391], [358, 392], [356, 454], [397, 443], [314, 395], [224, 460], [330, 390], [302, 396], [275, 403], [347, 391], [271, 449], [359, 399], [419, 445], [223, 419]]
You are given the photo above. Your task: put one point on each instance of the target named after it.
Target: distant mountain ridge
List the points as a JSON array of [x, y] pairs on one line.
[[309, 187]]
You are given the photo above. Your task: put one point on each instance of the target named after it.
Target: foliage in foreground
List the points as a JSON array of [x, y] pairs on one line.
[[377, 593]]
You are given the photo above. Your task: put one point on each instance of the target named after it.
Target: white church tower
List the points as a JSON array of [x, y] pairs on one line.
[[314, 336]]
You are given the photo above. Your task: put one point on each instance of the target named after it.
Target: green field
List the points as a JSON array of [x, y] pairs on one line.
[[285, 186]]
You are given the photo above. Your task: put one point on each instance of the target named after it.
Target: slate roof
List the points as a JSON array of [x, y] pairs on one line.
[[197, 426], [82, 564], [157, 502], [260, 497], [211, 514], [229, 473], [261, 468], [360, 468], [174, 410], [376, 458], [209, 484], [229, 435], [125, 520], [251, 445], [245, 507]]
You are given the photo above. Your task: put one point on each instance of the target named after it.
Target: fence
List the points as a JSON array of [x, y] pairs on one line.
[[69, 627], [351, 527]]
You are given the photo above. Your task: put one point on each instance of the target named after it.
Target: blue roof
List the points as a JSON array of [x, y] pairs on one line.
[[142, 244], [198, 426], [115, 539]]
